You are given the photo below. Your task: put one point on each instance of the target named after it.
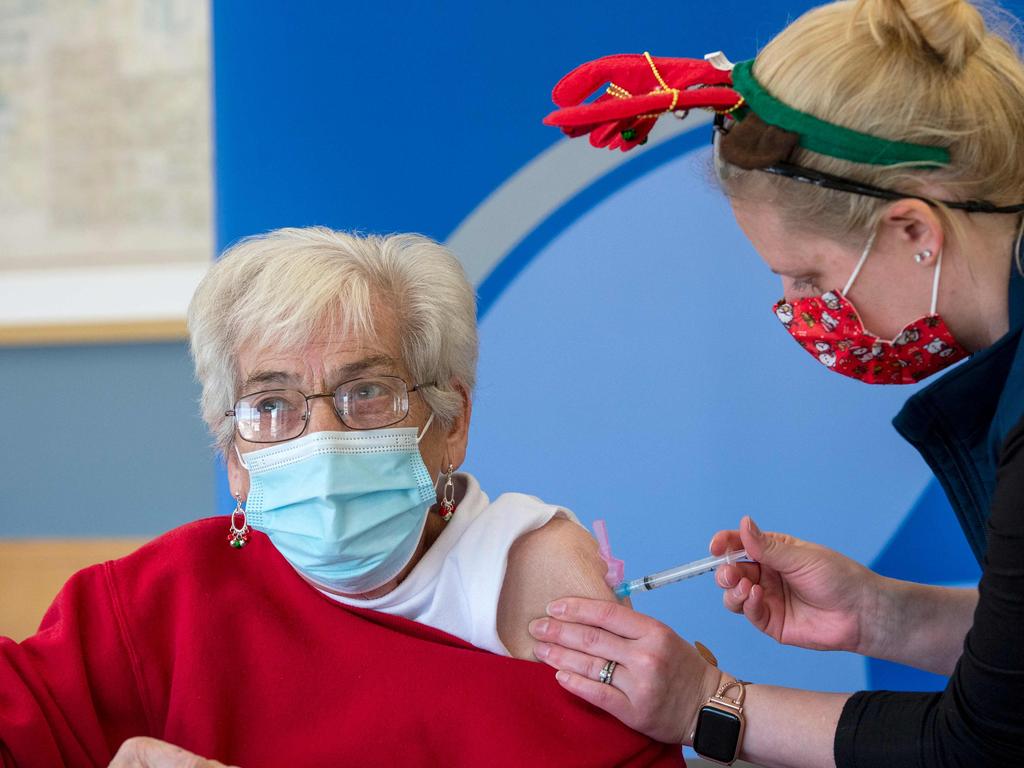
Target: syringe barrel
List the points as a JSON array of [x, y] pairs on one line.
[[689, 570], [680, 572]]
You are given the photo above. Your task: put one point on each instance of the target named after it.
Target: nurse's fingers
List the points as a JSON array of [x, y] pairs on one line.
[[729, 576], [582, 664], [725, 541], [756, 609], [572, 661], [735, 598], [584, 638], [606, 697], [620, 619]]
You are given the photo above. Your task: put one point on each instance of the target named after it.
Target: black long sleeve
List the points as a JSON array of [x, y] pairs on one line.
[[978, 720]]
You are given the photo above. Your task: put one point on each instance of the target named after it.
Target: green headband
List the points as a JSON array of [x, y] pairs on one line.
[[827, 138]]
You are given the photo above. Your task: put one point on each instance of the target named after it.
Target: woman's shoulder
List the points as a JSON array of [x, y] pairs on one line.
[[537, 531], [195, 558], [556, 559], [186, 542], [561, 552], [146, 582]]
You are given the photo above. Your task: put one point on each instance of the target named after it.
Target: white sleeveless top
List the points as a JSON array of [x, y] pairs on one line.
[[456, 584]]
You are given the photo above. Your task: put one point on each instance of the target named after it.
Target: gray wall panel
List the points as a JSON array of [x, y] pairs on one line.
[[101, 441]]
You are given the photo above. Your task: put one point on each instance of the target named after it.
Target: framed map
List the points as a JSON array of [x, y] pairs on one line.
[[105, 168]]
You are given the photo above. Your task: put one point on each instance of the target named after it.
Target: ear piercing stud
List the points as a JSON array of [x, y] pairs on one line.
[[921, 256]]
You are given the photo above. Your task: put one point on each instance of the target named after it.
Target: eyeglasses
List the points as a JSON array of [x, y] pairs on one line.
[[275, 415], [806, 175]]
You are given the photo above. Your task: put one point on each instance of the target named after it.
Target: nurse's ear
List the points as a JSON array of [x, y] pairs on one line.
[[911, 229], [238, 476]]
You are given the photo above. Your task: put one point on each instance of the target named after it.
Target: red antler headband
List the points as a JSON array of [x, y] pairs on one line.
[[644, 88], [641, 89]]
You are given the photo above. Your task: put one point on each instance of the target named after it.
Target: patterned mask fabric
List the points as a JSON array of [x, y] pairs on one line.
[[829, 327]]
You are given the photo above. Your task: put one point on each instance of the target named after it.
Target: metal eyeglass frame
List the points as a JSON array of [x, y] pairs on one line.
[[332, 395]]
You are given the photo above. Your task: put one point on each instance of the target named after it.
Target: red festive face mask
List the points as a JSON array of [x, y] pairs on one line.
[[829, 327]]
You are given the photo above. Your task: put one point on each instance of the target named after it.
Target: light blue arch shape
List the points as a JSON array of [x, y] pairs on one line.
[[550, 315]]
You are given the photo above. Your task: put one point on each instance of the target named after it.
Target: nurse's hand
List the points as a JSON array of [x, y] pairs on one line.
[[143, 752], [800, 593], [660, 680]]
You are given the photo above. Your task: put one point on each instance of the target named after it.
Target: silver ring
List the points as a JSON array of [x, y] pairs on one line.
[[607, 671]]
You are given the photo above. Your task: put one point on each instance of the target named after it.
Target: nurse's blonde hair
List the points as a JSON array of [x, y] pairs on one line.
[[923, 71]]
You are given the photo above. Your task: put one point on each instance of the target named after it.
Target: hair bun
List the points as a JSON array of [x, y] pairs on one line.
[[948, 31]]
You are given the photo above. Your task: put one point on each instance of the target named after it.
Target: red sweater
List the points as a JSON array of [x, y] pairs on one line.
[[230, 654]]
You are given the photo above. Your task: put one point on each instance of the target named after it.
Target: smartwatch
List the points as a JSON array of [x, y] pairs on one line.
[[719, 732]]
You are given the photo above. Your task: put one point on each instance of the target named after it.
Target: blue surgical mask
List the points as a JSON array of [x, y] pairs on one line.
[[346, 509]]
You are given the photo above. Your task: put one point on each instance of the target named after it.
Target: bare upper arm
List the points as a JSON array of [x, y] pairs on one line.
[[559, 559]]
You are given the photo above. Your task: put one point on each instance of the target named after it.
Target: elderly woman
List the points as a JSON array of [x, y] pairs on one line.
[[362, 601]]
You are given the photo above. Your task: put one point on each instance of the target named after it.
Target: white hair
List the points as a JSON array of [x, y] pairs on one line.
[[277, 289]]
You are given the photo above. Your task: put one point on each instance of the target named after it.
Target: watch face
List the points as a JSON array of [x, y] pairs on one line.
[[718, 734]]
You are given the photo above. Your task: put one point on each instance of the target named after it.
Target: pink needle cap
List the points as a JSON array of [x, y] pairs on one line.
[[616, 568]]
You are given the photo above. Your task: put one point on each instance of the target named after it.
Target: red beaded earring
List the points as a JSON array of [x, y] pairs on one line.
[[238, 535], [448, 496]]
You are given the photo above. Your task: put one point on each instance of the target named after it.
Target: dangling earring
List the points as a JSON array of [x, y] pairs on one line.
[[238, 534], [448, 496], [921, 256]]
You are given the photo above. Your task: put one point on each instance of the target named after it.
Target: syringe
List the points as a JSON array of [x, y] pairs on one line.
[[680, 572]]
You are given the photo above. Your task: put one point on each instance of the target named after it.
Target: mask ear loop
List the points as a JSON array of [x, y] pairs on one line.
[[425, 428], [935, 284], [238, 453], [863, 258]]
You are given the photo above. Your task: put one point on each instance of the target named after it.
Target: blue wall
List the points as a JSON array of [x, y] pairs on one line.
[[404, 116]]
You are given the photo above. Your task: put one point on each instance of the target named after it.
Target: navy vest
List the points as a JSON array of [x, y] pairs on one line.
[[959, 423]]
